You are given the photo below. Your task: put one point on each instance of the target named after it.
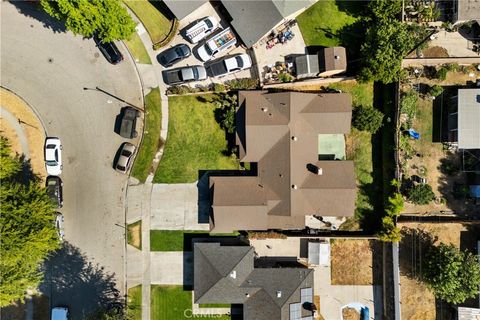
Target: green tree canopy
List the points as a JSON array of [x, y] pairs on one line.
[[367, 118], [421, 194], [453, 275], [85, 17], [27, 231]]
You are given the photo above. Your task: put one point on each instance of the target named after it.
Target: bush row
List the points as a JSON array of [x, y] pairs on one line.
[[235, 84]]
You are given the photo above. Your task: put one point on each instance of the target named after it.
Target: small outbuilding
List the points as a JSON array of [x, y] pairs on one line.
[[325, 63], [464, 124]]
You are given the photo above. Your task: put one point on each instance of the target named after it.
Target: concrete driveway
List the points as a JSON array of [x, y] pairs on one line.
[[205, 11], [50, 68], [171, 268]]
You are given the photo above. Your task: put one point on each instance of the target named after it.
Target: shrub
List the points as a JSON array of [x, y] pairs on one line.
[[395, 205], [408, 104], [452, 66], [218, 87], [242, 84], [225, 112], [367, 118], [435, 90], [285, 77], [442, 74], [389, 232], [181, 89], [202, 88], [421, 194]]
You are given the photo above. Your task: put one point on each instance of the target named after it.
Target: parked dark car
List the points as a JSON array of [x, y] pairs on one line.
[[184, 74], [173, 55], [129, 122], [109, 50], [54, 187]]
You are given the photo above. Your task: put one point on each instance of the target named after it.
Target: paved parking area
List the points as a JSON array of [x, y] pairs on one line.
[[171, 268], [455, 43], [204, 11], [176, 207], [332, 297]]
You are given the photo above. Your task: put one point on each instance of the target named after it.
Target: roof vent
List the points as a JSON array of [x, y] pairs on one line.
[[294, 187], [264, 109], [279, 294], [294, 138], [247, 295], [233, 274], [319, 171], [337, 57]]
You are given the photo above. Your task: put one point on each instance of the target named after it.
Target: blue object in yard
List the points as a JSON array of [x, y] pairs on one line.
[[414, 134], [364, 313]]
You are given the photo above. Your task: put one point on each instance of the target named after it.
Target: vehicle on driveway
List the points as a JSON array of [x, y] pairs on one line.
[[53, 156], [59, 226], [109, 50], [54, 186], [127, 150], [59, 313], [128, 122], [174, 54], [229, 64], [418, 179], [216, 44], [184, 74], [202, 29]]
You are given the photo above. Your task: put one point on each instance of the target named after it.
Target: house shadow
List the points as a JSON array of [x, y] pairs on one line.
[[34, 10], [69, 276]]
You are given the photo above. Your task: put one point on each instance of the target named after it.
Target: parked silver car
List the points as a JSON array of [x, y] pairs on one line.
[[127, 150]]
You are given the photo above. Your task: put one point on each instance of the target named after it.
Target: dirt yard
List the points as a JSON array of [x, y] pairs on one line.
[[352, 261], [418, 302], [41, 309], [31, 126], [135, 234]]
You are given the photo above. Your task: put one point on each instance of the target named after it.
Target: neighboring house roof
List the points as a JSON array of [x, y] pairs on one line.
[[279, 132], [182, 8], [468, 10], [252, 20], [226, 274], [469, 118], [327, 59]]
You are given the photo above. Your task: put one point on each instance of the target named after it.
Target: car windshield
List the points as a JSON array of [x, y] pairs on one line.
[[52, 162], [179, 51], [208, 23], [121, 167], [50, 146], [239, 61], [126, 153], [195, 73], [209, 51]]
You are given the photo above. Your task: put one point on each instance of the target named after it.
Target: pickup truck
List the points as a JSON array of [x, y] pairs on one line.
[[202, 29], [216, 44], [129, 123], [229, 64]]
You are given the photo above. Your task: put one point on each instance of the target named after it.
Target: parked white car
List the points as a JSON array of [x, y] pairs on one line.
[[229, 64], [53, 156], [202, 29], [59, 226], [216, 44]]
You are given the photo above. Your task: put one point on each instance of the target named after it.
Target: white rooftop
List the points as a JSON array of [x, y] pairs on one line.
[[469, 118]]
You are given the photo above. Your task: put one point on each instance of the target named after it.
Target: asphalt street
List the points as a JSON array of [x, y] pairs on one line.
[[50, 68]]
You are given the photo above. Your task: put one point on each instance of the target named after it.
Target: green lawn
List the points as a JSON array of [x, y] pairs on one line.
[[195, 141], [173, 303], [151, 137], [173, 240], [157, 24], [320, 24], [359, 149], [137, 49], [134, 303]]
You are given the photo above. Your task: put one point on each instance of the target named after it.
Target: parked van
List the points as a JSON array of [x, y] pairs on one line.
[[216, 44], [202, 29]]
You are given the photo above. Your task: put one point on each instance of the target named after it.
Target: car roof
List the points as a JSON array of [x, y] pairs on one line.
[[59, 313]]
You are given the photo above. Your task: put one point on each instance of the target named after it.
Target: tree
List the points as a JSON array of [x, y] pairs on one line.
[[108, 18], [27, 231], [421, 194], [453, 275], [367, 118], [225, 112], [435, 90]]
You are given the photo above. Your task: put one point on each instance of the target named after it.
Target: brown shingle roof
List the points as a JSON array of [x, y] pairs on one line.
[[279, 131]]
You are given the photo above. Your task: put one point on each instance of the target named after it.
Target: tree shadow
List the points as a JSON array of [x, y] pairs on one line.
[[69, 277], [34, 10], [355, 8], [414, 246]]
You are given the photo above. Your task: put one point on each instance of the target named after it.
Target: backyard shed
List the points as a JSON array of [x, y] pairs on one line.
[[469, 118], [319, 253], [326, 62]]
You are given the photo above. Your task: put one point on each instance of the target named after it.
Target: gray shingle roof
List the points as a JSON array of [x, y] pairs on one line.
[[182, 8], [469, 118]]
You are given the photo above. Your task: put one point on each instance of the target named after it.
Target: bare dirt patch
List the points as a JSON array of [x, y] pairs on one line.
[[435, 52], [135, 234], [31, 126], [352, 261]]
